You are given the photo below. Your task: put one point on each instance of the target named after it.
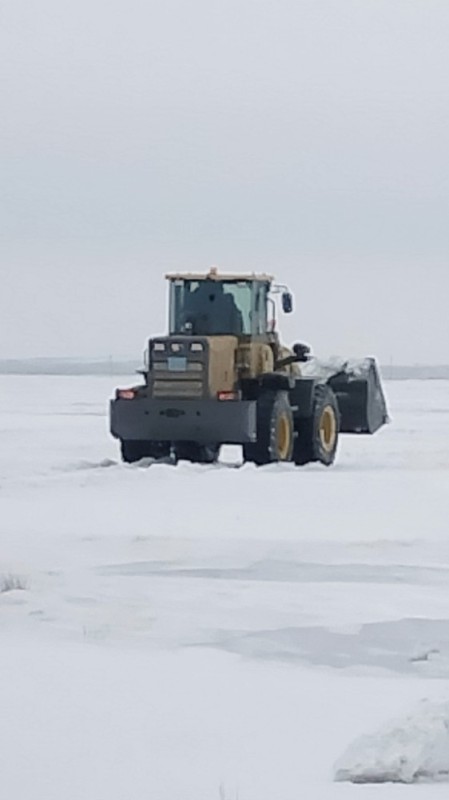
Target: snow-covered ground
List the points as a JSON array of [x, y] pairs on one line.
[[213, 633]]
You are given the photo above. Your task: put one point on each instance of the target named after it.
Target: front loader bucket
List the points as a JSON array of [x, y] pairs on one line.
[[361, 400]]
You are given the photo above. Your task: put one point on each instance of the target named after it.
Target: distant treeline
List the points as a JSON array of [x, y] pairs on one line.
[[69, 366], [423, 373]]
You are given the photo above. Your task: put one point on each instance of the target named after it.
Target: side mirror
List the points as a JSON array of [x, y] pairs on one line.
[[287, 302]]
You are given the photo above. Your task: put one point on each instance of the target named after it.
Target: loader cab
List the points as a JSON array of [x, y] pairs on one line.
[[216, 305]]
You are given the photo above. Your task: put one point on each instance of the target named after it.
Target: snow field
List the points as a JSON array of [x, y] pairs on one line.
[[185, 632]]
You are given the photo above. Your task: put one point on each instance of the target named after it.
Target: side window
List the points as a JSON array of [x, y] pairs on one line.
[[241, 295], [181, 300], [261, 308]]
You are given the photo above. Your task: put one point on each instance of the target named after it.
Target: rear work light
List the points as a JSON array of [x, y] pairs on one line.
[[125, 394], [227, 395]]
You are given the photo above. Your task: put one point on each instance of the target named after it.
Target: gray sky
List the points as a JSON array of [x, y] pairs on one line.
[[308, 138]]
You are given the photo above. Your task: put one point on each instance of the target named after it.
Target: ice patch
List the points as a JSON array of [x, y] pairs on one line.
[[409, 750], [412, 646]]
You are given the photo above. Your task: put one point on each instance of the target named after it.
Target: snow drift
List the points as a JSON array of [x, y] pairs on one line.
[[408, 750]]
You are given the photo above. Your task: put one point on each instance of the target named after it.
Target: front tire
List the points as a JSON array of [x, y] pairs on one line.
[[317, 438]]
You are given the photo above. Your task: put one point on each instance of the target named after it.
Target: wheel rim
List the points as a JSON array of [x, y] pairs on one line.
[[328, 429], [283, 437]]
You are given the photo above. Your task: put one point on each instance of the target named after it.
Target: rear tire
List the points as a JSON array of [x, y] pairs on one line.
[[133, 451], [317, 438], [275, 433]]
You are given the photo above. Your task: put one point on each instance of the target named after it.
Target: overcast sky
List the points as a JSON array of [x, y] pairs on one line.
[[309, 138]]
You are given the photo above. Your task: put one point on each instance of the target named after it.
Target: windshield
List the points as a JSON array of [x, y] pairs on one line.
[[210, 307]]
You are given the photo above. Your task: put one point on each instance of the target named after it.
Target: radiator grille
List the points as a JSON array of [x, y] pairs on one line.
[[177, 388], [179, 369]]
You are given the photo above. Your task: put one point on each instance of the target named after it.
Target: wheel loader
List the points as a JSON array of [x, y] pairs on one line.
[[222, 376]]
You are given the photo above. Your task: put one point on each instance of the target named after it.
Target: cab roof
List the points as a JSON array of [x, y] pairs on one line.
[[215, 275]]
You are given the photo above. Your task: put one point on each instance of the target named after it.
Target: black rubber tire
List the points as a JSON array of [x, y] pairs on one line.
[[133, 451], [273, 409], [309, 445], [197, 453]]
